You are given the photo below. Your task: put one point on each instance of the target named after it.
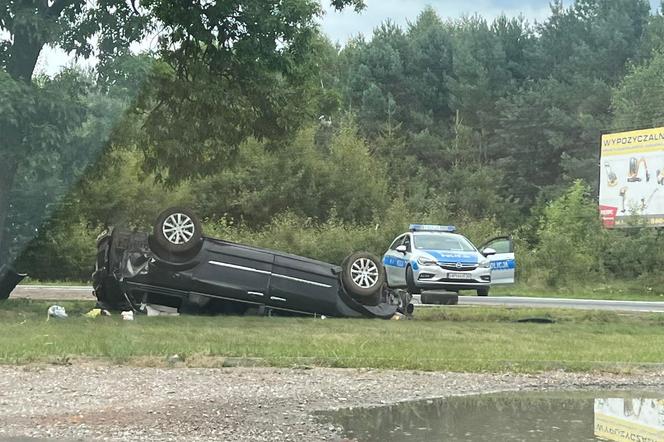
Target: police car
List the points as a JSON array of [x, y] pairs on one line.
[[433, 257]]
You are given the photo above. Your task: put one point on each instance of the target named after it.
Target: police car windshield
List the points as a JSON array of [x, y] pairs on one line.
[[442, 241]]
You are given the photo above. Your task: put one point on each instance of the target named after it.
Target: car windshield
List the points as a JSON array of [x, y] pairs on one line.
[[437, 241]]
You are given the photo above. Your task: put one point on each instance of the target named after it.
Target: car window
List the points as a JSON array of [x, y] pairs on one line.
[[396, 243], [443, 242], [501, 245], [406, 242]]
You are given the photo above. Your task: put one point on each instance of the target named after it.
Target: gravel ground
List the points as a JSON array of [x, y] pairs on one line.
[[235, 404]]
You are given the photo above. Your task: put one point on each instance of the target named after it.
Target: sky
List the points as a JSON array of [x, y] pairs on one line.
[[340, 26]]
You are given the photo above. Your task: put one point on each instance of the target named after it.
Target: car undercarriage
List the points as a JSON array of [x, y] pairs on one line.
[[212, 276]]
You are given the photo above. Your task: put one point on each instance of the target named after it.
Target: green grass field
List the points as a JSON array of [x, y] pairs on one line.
[[457, 339]]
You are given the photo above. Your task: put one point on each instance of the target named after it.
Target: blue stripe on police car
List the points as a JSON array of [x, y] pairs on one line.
[[394, 262], [505, 264]]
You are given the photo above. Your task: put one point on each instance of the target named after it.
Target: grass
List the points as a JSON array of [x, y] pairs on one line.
[[457, 339]]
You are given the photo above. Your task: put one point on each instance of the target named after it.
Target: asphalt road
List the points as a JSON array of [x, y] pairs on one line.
[[581, 304], [56, 293], [53, 293]]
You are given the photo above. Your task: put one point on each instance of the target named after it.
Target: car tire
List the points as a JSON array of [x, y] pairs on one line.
[[410, 282], [363, 275], [439, 298], [177, 231], [483, 291]]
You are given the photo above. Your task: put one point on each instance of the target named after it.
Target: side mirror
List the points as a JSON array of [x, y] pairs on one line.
[[402, 249], [488, 252]]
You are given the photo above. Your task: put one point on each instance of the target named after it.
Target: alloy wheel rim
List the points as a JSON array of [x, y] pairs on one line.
[[364, 273], [178, 228]]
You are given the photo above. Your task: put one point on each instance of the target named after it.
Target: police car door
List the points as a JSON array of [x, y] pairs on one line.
[[503, 263], [395, 264]]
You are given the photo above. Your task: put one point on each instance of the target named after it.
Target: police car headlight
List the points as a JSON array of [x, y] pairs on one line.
[[424, 261], [485, 264]]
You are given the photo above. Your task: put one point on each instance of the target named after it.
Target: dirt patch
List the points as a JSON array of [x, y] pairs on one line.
[[120, 403]]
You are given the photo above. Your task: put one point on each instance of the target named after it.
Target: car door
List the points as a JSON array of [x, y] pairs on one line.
[[303, 285], [233, 271], [503, 263], [395, 262]]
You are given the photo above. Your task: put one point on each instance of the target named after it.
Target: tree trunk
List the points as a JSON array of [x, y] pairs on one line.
[[7, 174], [23, 56], [28, 40]]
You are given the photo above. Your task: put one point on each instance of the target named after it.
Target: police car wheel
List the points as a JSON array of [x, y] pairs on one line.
[[363, 275], [483, 292], [410, 282]]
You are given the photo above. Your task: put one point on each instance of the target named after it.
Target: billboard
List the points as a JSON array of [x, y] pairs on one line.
[[632, 177]]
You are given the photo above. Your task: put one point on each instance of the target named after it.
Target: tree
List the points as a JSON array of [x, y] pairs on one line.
[[541, 127], [637, 102], [344, 179], [591, 38], [225, 64]]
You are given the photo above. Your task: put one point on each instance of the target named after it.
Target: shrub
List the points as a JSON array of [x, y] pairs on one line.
[[570, 240], [63, 250]]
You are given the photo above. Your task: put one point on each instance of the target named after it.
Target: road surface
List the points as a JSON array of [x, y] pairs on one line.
[[581, 304], [59, 293], [53, 293]]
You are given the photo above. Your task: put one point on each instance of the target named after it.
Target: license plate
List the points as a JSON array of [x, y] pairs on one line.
[[459, 276]]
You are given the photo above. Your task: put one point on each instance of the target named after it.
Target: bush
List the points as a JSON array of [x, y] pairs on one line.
[[332, 240], [570, 240], [63, 251], [637, 252]]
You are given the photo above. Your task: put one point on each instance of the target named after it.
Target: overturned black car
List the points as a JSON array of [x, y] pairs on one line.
[[176, 266]]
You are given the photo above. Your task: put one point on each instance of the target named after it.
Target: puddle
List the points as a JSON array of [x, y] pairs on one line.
[[559, 416]]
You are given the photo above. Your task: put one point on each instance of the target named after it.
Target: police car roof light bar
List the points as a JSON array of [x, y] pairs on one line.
[[431, 228]]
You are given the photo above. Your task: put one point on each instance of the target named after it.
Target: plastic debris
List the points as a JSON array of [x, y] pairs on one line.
[[398, 317], [96, 312], [127, 316], [174, 359], [57, 311], [160, 310]]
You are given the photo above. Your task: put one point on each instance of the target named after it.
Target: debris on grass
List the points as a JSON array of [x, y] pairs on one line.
[[127, 315], [56, 311]]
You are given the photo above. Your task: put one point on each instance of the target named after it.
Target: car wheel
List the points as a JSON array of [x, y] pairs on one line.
[[363, 275], [439, 298], [410, 282], [177, 230], [483, 291]]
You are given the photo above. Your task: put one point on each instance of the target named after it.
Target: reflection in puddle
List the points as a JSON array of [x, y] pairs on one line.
[[560, 416], [619, 419]]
